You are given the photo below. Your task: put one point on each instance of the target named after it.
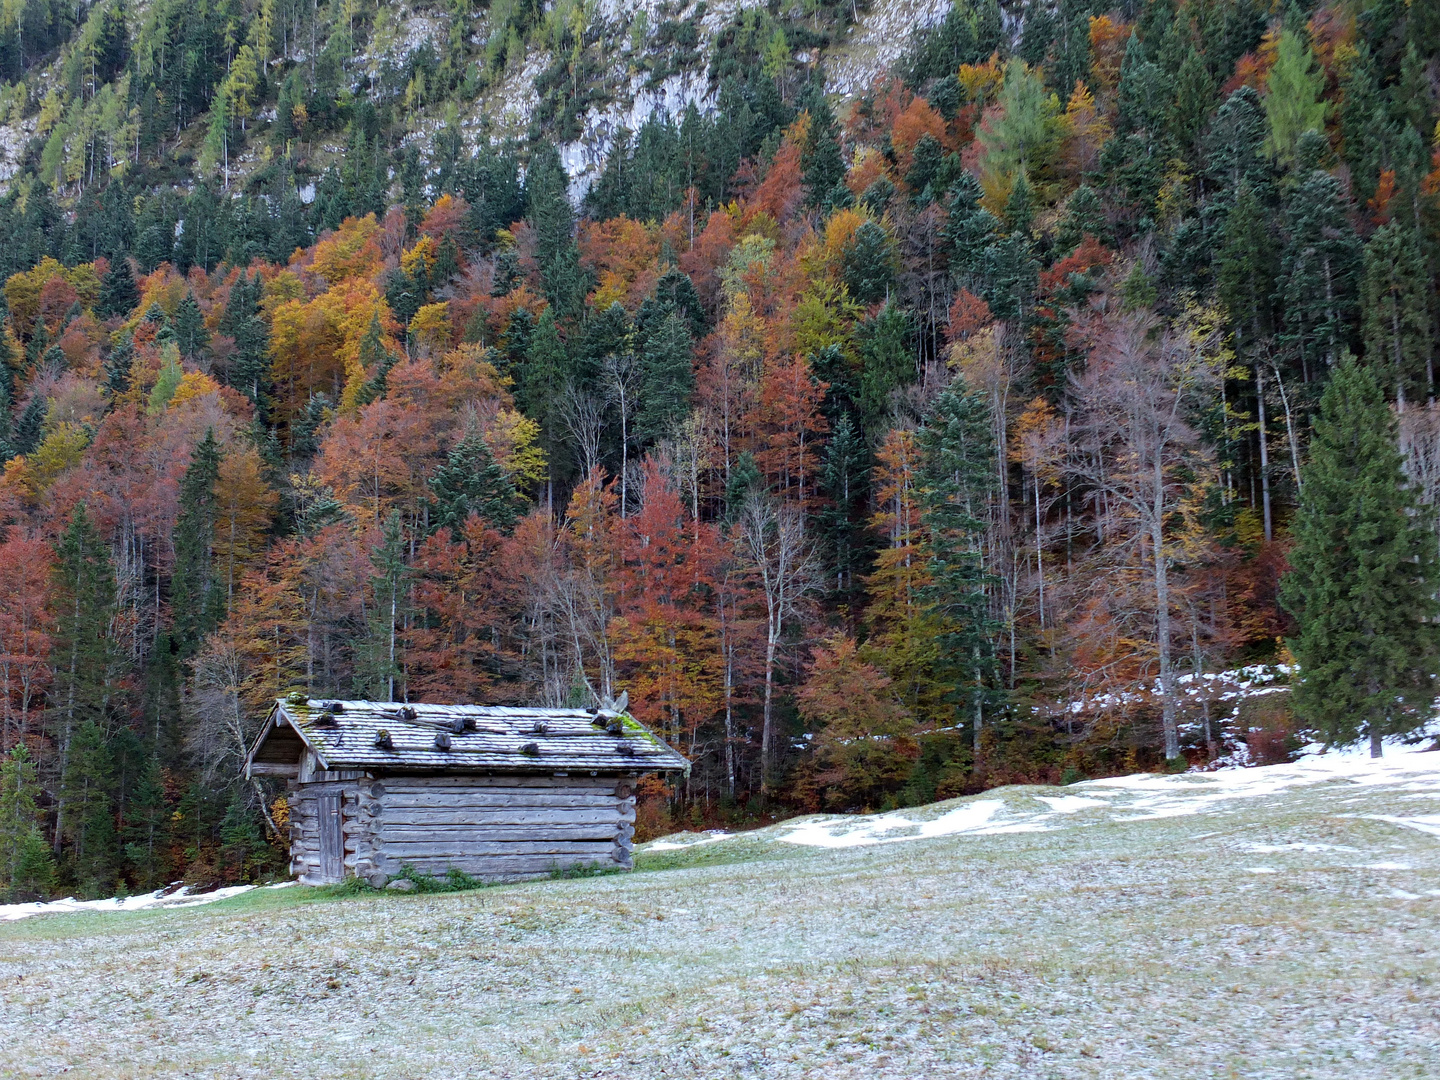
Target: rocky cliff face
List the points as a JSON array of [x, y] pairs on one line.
[[638, 60]]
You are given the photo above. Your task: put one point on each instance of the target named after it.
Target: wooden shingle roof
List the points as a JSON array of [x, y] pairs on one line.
[[388, 736]]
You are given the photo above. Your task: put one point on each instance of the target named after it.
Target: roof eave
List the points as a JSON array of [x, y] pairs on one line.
[[272, 722]]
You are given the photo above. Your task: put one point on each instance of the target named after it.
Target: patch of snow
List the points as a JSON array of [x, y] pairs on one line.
[[1122, 799], [1069, 804], [160, 898], [1261, 870], [963, 819], [681, 841], [1427, 824], [842, 832]]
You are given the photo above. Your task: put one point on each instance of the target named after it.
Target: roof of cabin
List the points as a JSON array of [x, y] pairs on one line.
[[482, 738]]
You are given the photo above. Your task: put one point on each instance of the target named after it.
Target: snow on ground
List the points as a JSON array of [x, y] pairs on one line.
[[1274, 923], [160, 898], [1406, 769]]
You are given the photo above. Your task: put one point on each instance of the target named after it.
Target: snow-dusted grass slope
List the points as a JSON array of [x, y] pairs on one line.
[[1276, 923]]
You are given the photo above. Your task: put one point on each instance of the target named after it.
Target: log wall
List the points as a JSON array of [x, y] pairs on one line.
[[495, 828]]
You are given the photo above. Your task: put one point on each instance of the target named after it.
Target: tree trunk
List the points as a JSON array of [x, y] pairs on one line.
[[1162, 619], [1264, 453], [1377, 745], [766, 731]]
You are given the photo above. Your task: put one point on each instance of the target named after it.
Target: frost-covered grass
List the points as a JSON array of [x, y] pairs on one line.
[[1277, 922]]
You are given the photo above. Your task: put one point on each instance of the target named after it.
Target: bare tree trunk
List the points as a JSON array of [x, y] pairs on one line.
[[1162, 617], [1264, 452]]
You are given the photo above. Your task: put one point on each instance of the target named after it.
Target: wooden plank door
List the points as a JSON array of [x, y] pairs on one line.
[[332, 842]]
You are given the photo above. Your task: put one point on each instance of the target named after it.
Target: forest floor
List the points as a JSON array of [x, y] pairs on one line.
[[1270, 922]]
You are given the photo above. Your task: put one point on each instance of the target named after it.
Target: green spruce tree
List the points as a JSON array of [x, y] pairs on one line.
[[27, 869], [1364, 575], [667, 378], [378, 660], [118, 292], [550, 214], [1319, 271], [191, 335], [471, 482], [1397, 313], [958, 448], [83, 653], [197, 597]]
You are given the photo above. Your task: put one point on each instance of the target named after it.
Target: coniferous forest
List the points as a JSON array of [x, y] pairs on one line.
[[884, 445]]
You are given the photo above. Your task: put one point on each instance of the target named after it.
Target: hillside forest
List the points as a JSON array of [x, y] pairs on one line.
[[883, 448]]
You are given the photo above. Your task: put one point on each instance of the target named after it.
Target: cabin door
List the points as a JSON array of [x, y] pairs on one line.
[[332, 843]]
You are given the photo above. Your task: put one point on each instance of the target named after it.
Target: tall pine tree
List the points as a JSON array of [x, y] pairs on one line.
[[471, 482], [84, 654], [958, 448], [197, 598], [1397, 312], [1364, 575]]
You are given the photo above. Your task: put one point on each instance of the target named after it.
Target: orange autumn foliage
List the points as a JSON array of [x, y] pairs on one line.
[[1108, 39], [918, 119]]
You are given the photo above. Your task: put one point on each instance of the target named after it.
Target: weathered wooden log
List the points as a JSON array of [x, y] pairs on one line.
[[394, 850], [496, 834], [499, 815], [401, 782], [494, 866], [497, 799]]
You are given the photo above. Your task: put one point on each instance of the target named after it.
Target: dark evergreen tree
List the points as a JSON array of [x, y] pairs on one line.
[[27, 870], [1234, 146], [83, 652], [242, 842], [1084, 216], [667, 380], [471, 482], [925, 167], [197, 597], [542, 381], [844, 529], [1247, 264], [377, 360], [969, 230], [378, 660], [1363, 575], [90, 821], [191, 335], [958, 453], [7, 426], [146, 828], [30, 427], [939, 51], [744, 480], [118, 292], [1020, 207], [1398, 345], [1319, 271], [1143, 93], [549, 212], [868, 264], [674, 292], [887, 362], [1011, 275], [118, 364], [821, 161], [1194, 98]]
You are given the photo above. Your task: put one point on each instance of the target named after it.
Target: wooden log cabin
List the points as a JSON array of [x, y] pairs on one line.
[[496, 793]]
